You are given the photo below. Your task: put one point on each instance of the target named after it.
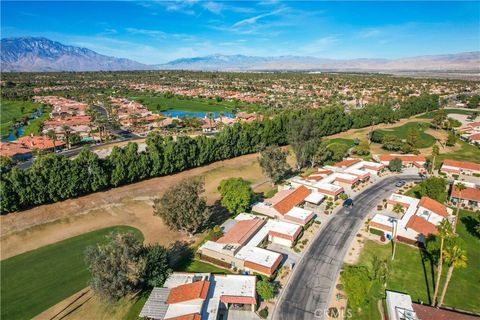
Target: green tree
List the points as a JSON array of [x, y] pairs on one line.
[[451, 139], [117, 266], [274, 163], [157, 267], [435, 188], [439, 118], [266, 290], [338, 150], [53, 136], [444, 231], [236, 194], [412, 137], [357, 283], [395, 165], [182, 208], [363, 148], [391, 142], [435, 153], [455, 258]]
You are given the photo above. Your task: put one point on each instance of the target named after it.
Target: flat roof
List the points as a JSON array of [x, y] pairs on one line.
[[299, 213], [156, 305], [314, 197], [258, 256], [399, 306]]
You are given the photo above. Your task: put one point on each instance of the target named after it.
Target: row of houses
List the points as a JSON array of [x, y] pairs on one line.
[[471, 132], [200, 296], [23, 147], [470, 196]]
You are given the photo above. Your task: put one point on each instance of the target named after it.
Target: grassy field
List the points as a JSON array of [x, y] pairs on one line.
[[34, 126], [349, 142], [429, 115], [467, 152], [11, 112], [36, 280], [411, 274], [424, 140], [160, 103]]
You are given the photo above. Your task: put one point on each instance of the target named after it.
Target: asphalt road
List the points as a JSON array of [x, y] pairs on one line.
[[308, 291]]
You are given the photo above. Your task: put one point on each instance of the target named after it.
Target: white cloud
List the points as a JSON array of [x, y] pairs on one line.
[[147, 32], [214, 7], [369, 33], [320, 45], [253, 20]]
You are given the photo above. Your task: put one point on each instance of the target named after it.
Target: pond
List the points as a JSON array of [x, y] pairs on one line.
[[182, 114], [12, 136]]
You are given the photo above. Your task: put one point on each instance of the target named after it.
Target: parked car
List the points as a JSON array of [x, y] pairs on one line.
[[348, 203], [400, 183]]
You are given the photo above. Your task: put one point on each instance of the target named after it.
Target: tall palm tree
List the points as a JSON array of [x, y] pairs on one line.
[[435, 153], [53, 135], [460, 187], [67, 132], [455, 257], [444, 231], [398, 209]]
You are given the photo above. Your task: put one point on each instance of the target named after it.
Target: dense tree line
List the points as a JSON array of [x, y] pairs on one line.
[[54, 177]]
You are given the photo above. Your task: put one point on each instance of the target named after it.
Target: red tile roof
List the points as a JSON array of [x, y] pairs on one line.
[[191, 316], [462, 164], [187, 292], [475, 137], [430, 313], [8, 149], [433, 206], [41, 143], [293, 199], [467, 194], [347, 163], [421, 225], [242, 231], [238, 299]]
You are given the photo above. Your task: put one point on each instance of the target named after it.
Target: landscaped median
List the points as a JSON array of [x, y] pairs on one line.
[[36, 280], [413, 273]]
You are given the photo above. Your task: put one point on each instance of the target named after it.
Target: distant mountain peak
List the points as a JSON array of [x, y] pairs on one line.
[[42, 54]]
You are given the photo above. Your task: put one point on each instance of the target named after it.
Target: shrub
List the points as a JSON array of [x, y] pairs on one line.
[[263, 313], [377, 232], [343, 196]]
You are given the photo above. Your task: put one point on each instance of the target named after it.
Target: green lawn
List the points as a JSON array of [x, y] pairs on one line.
[[349, 142], [160, 103], [36, 280], [424, 140], [413, 275], [11, 111], [466, 153], [429, 115]]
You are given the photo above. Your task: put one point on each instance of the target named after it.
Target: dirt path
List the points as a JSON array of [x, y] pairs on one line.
[[128, 205]]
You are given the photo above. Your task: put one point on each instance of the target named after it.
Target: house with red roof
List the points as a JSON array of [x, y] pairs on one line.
[[408, 160], [15, 151], [415, 223], [460, 167], [469, 197], [201, 296]]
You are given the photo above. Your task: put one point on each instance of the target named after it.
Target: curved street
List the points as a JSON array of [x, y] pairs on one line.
[[308, 291]]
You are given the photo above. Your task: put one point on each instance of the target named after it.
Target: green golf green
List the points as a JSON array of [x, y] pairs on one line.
[[36, 280]]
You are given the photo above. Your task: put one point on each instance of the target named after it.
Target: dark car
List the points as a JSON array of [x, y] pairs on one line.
[[400, 183], [348, 203]]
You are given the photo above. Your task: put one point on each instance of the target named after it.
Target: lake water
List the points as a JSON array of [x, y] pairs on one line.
[[181, 114], [12, 137]]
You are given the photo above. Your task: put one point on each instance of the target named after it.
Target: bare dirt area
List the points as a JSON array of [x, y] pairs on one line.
[[128, 205]]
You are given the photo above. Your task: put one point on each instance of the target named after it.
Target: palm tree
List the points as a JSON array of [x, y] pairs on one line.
[[53, 135], [444, 231], [460, 187], [435, 153], [67, 131], [455, 257], [397, 208]]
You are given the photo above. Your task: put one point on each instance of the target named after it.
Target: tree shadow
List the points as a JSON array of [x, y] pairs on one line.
[[471, 224], [427, 257], [180, 255], [218, 215]]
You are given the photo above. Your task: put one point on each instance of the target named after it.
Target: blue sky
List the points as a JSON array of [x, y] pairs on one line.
[[160, 31]]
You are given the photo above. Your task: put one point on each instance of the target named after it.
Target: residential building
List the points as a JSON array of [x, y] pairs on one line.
[[460, 167], [469, 197], [400, 307], [201, 296], [408, 160], [418, 220], [239, 247], [15, 151]]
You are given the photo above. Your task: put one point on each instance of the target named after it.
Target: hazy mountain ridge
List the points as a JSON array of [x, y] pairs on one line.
[[41, 54], [31, 54]]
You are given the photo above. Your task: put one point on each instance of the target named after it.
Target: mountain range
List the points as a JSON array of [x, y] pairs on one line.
[[41, 54]]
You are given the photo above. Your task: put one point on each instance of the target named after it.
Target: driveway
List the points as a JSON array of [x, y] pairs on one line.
[[310, 286]]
